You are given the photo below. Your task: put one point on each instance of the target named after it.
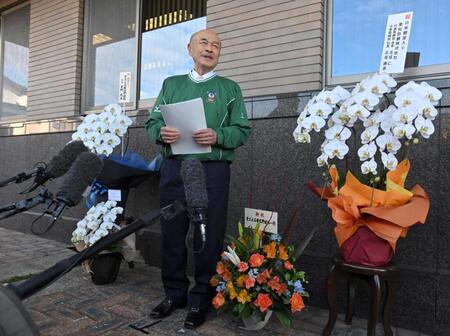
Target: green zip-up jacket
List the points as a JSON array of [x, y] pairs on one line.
[[224, 111]]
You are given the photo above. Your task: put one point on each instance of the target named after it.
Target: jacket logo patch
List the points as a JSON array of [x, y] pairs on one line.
[[211, 96]]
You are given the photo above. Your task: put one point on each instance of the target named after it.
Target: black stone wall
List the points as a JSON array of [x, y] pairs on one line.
[[270, 172]]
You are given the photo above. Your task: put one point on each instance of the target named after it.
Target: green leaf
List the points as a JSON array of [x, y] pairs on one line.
[[240, 229], [240, 248], [256, 240], [287, 276], [284, 318], [247, 311]]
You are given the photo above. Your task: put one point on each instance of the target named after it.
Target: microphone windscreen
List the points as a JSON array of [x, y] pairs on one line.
[[61, 162], [193, 176], [81, 174]]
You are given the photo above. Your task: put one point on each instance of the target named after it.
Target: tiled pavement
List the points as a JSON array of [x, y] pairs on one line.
[[73, 305]]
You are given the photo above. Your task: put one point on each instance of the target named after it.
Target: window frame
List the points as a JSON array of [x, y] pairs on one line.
[[426, 72], [13, 119], [84, 108], [131, 108]]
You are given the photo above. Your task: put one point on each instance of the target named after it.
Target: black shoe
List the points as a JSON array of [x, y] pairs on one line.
[[166, 307], [195, 318]]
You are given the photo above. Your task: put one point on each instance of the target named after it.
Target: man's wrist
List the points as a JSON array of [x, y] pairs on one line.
[[219, 137]]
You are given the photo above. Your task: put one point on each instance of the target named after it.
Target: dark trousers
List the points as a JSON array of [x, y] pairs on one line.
[[174, 251]]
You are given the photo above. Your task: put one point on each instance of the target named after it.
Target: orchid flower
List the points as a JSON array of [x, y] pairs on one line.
[[424, 126], [338, 132], [369, 167], [367, 151], [336, 148], [389, 160]]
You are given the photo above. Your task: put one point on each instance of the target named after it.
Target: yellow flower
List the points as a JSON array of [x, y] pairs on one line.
[[240, 281], [231, 290], [243, 297]]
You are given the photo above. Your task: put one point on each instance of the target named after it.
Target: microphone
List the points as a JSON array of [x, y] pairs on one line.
[[39, 168], [81, 174], [59, 164], [193, 176]]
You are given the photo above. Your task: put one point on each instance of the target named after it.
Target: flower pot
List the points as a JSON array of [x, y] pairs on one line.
[[254, 322], [105, 267]]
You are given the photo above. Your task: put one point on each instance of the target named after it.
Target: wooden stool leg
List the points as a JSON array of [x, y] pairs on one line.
[[375, 286], [352, 282], [391, 292], [332, 300]]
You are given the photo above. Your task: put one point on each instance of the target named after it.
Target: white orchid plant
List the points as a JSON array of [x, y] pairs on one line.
[[102, 132], [389, 120], [98, 222]]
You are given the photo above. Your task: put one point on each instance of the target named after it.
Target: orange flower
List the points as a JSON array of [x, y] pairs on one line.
[[214, 281], [263, 276], [227, 275], [270, 250], [249, 282], [220, 268], [263, 301], [297, 303], [218, 301], [256, 260], [274, 283], [231, 290], [241, 280], [283, 253], [243, 266], [288, 265], [281, 289]]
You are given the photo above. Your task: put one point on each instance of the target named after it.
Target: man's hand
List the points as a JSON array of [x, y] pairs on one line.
[[206, 136], [169, 135]]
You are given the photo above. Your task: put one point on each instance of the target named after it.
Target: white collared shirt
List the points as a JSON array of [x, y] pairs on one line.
[[200, 78]]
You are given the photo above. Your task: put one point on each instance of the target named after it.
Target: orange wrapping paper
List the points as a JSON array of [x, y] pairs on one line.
[[388, 213]]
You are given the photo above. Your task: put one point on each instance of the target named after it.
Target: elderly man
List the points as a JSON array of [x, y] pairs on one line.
[[227, 129]]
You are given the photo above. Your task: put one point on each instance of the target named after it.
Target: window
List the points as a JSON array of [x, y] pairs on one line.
[[110, 43], [166, 32], [15, 32], [357, 34], [118, 55]]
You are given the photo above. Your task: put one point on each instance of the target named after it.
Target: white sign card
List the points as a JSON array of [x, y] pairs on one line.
[[125, 87], [396, 40], [268, 220], [114, 195]]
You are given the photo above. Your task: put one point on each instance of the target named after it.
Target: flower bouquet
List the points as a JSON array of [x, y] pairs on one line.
[[98, 223], [371, 206], [254, 279], [101, 132]]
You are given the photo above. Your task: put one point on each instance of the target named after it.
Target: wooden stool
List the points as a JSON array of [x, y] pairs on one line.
[[374, 276]]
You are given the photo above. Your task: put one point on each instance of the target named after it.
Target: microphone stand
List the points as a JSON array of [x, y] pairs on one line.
[[44, 196], [23, 176], [29, 287]]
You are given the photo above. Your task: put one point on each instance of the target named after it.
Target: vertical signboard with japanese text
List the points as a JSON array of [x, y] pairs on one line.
[[125, 87], [396, 40]]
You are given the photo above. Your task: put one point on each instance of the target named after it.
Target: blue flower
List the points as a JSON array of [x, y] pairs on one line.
[[275, 237], [253, 272], [221, 286], [288, 293], [298, 287]]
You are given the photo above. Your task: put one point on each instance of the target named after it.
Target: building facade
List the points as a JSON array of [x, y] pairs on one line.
[[63, 59]]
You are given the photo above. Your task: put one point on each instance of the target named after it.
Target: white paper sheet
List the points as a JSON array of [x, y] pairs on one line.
[[187, 117]]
